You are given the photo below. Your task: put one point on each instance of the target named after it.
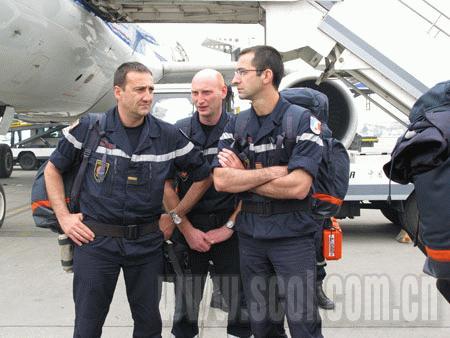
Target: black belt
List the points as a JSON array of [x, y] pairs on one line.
[[212, 219], [131, 231], [268, 208]]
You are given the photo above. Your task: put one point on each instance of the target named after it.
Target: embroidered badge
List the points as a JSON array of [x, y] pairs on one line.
[[315, 125], [100, 171]]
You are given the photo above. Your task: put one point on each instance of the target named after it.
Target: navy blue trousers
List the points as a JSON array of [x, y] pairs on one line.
[[96, 270], [280, 270], [189, 291], [320, 260]]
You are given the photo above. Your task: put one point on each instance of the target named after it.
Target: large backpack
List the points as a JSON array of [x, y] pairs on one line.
[[331, 183], [422, 156], [43, 214]]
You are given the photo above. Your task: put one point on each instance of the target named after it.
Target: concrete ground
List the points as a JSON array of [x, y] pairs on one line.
[[379, 288]]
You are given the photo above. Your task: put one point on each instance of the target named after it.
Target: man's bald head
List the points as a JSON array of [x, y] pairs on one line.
[[209, 74], [208, 91]]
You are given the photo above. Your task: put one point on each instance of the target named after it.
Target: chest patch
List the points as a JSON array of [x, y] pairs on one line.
[[100, 171]]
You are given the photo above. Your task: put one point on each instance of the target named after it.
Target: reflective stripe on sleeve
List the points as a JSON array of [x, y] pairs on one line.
[[262, 147], [69, 137], [226, 136], [210, 151], [310, 137]]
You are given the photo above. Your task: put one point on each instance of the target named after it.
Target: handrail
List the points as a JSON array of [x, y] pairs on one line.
[[433, 24]]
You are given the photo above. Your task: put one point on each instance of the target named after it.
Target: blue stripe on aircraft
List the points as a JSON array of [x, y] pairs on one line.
[[121, 30]]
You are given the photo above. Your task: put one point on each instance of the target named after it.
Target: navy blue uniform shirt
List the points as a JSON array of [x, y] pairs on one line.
[[131, 191], [306, 155], [212, 201]]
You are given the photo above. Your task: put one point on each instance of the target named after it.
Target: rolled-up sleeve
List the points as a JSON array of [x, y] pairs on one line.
[[307, 152], [68, 150]]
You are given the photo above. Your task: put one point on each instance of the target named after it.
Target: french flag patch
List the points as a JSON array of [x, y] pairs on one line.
[[315, 125]]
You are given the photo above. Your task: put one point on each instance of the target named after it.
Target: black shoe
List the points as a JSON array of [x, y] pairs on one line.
[[323, 301]]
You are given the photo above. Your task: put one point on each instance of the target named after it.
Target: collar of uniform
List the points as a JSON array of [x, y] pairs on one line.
[[197, 134], [153, 126], [214, 136], [152, 129], [273, 120], [116, 132], [113, 123]]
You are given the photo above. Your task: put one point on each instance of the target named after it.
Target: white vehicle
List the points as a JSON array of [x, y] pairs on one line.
[[30, 158], [35, 143]]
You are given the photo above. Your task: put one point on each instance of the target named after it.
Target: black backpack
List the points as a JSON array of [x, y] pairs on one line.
[[331, 183], [42, 212]]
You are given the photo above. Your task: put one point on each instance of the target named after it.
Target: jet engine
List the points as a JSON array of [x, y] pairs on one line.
[[343, 120]]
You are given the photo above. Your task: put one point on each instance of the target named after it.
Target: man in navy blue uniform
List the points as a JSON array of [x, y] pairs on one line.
[[275, 226], [121, 204], [208, 229]]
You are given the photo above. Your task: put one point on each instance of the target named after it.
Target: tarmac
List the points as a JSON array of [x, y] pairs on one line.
[[378, 286]]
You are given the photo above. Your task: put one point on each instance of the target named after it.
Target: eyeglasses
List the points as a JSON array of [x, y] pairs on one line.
[[243, 71]]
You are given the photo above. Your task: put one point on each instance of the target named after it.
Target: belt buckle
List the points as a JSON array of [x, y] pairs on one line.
[[132, 232]]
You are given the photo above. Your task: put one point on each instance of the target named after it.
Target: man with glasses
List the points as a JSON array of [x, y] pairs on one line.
[[275, 226]]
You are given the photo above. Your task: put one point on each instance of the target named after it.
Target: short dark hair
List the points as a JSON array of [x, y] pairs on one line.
[[267, 57], [120, 76]]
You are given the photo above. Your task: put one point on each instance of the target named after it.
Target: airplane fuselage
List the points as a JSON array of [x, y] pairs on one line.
[[58, 56]]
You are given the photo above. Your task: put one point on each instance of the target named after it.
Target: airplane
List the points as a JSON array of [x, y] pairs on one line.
[[58, 56], [58, 59]]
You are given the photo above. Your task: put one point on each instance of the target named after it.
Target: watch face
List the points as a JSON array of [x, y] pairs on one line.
[[229, 224], [175, 218]]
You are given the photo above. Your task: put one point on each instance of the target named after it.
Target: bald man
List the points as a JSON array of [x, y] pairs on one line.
[[208, 229]]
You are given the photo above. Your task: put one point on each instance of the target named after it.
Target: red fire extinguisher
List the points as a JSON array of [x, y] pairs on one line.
[[332, 241]]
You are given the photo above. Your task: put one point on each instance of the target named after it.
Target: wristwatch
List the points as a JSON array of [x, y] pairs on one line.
[[175, 218], [230, 224]]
